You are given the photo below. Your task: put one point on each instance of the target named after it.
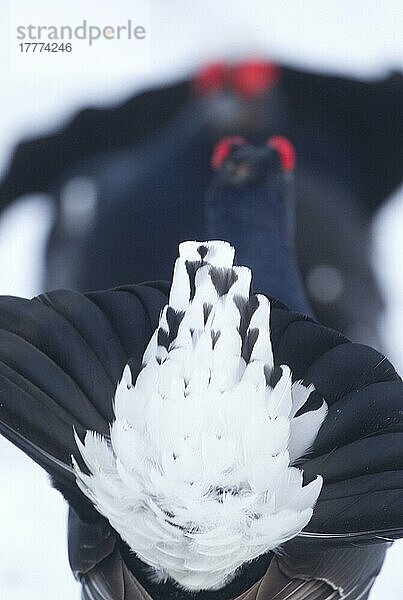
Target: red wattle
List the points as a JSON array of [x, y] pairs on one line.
[[223, 149], [253, 78], [285, 151], [211, 78]]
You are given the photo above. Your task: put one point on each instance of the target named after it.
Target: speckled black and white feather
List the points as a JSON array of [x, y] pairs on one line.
[[197, 475]]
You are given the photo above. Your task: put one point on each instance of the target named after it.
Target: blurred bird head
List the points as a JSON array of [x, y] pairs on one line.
[[239, 163], [243, 97]]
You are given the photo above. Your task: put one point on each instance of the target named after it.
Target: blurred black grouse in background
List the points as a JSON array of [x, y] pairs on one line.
[[119, 175]]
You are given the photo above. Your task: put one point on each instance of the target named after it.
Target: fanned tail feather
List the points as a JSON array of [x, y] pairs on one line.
[[197, 475]]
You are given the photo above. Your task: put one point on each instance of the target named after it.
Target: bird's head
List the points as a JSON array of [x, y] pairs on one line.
[[199, 473], [239, 163], [245, 96]]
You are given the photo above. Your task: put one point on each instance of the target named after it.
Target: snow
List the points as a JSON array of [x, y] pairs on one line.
[[363, 39]]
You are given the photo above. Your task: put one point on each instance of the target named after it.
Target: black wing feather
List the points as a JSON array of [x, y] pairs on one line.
[[61, 356]]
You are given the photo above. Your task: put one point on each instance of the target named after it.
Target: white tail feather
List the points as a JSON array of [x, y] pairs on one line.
[[197, 477]]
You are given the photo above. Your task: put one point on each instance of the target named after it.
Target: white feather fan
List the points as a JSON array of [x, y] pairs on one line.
[[197, 475]]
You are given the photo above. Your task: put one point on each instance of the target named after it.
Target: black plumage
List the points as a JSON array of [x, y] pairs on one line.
[[251, 203], [61, 356]]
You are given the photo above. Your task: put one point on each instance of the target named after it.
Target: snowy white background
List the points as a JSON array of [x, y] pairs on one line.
[[362, 38]]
